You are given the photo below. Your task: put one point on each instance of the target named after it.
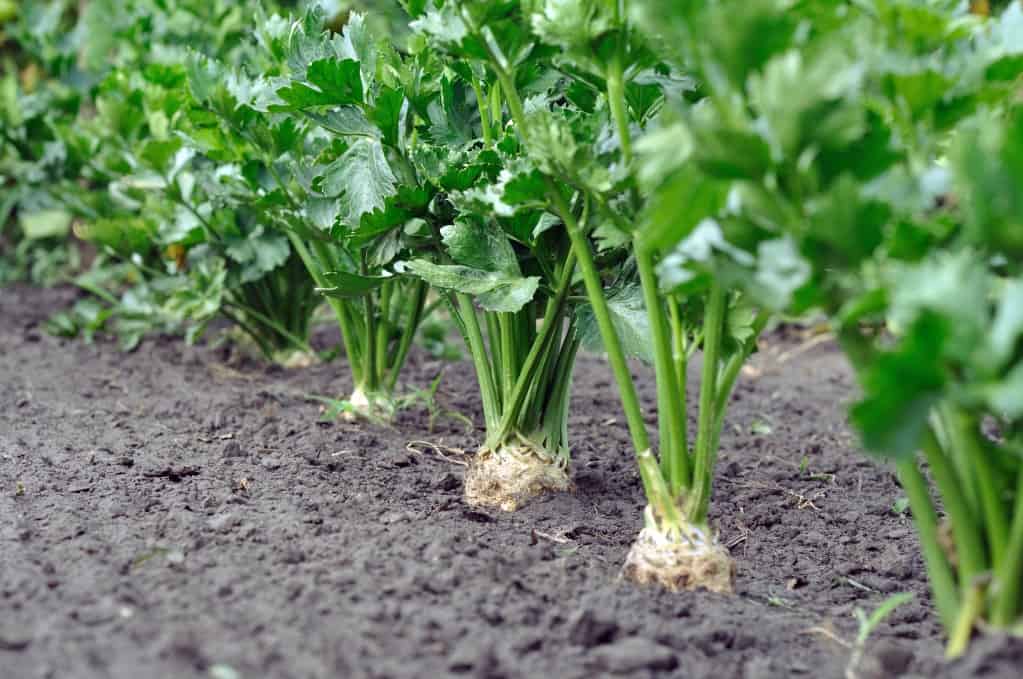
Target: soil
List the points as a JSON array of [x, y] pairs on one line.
[[180, 512]]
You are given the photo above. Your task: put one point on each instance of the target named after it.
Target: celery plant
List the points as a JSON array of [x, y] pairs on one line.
[[901, 206], [321, 136], [509, 277], [523, 341]]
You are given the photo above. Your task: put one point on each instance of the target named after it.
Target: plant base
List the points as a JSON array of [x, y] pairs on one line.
[[372, 406], [512, 475], [286, 358], [693, 560], [296, 358]]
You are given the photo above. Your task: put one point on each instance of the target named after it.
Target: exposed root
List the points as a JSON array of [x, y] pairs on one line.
[[372, 406], [512, 475], [678, 562], [296, 358], [286, 358]]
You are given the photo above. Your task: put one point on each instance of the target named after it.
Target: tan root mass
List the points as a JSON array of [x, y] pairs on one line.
[[686, 563], [510, 476], [297, 359], [286, 358]]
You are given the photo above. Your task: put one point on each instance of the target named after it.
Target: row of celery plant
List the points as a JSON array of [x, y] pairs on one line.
[[185, 187], [190, 243], [882, 142]]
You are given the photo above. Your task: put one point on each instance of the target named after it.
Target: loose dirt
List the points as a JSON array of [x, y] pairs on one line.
[[180, 512]]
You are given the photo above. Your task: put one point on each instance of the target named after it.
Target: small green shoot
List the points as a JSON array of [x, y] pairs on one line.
[[339, 408], [427, 398], [867, 625]]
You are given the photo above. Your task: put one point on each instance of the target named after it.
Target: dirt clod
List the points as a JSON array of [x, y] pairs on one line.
[[633, 654], [588, 628]]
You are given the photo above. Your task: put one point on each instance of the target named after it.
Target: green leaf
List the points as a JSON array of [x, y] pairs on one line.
[[357, 42], [387, 114], [204, 76], [44, 224], [988, 164], [1007, 328], [345, 285], [157, 153], [481, 245], [444, 25], [408, 203], [953, 285], [493, 291], [333, 82], [258, 253], [580, 28], [339, 80], [780, 271], [800, 100], [727, 152], [1006, 397], [704, 251], [361, 179], [452, 115], [1001, 49], [346, 121], [845, 225], [739, 323], [630, 319], [675, 209], [900, 389], [737, 36], [123, 235]]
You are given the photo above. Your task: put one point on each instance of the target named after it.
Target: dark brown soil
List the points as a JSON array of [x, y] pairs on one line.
[[175, 512]]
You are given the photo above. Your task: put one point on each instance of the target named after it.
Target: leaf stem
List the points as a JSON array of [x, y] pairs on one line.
[[969, 613], [1009, 575], [369, 377], [509, 359], [555, 418], [482, 105], [383, 331], [295, 341], [963, 431], [478, 349], [942, 579], [670, 413], [706, 452], [730, 374], [264, 346], [539, 348], [618, 105], [969, 547], [340, 312], [511, 97], [415, 312], [654, 484]]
